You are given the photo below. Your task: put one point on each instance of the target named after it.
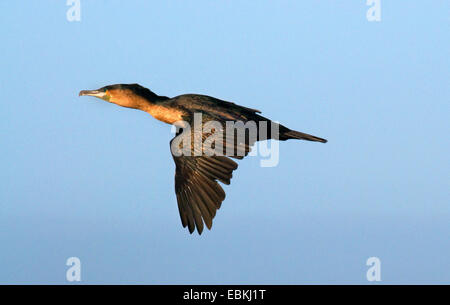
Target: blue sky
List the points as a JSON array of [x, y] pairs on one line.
[[84, 178]]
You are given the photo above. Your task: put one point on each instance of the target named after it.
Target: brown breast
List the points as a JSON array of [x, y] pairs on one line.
[[165, 114]]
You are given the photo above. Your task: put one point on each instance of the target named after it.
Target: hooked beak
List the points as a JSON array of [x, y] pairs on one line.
[[96, 93]]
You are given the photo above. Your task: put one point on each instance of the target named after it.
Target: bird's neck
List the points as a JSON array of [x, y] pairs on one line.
[[162, 112], [143, 101], [155, 105], [149, 102]]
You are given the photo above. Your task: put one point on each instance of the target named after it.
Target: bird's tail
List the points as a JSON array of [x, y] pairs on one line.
[[292, 134]]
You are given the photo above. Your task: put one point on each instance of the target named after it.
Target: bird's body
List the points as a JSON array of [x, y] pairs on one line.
[[197, 174]]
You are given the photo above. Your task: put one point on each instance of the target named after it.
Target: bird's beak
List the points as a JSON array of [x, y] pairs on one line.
[[96, 93]]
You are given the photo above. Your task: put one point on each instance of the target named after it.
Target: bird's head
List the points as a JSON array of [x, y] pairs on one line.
[[125, 95]]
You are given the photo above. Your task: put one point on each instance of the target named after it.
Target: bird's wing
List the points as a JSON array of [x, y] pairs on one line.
[[197, 173], [198, 193], [212, 105], [234, 141]]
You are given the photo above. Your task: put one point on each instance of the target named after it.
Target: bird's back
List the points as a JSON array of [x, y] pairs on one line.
[[213, 107]]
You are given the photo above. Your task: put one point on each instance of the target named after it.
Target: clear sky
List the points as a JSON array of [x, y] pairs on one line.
[[83, 178]]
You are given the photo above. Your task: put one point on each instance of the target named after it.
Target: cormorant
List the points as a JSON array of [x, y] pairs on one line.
[[198, 192]]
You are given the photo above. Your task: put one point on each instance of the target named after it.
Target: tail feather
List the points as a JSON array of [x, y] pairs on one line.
[[292, 134]]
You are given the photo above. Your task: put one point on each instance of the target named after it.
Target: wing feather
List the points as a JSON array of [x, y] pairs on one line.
[[197, 178]]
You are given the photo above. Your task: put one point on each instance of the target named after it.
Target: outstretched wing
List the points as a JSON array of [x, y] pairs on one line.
[[198, 192], [197, 173]]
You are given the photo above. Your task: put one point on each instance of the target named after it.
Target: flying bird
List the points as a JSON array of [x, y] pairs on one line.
[[199, 195]]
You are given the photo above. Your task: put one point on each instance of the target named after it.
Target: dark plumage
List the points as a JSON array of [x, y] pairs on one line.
[[198, 192]]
